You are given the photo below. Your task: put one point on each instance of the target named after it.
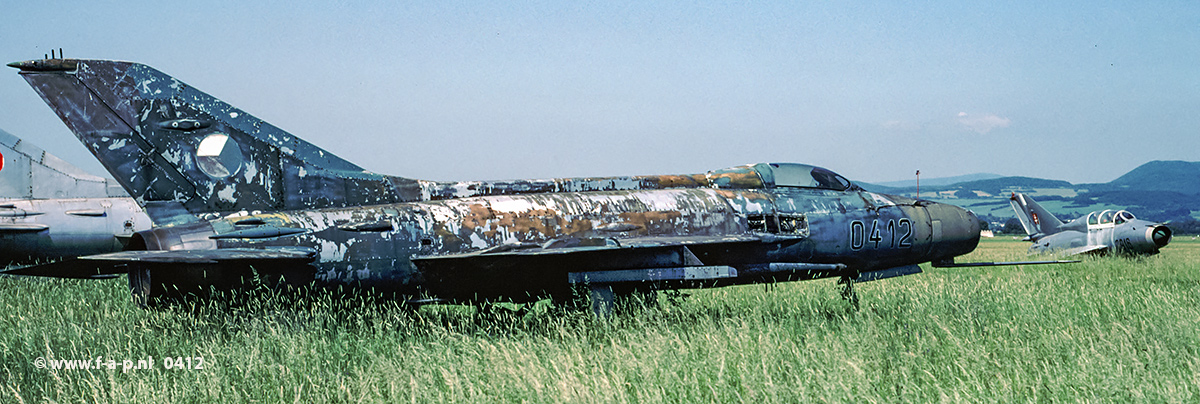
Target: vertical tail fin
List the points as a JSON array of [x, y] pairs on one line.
[[1034, 218], [183, 153], [28, 172]]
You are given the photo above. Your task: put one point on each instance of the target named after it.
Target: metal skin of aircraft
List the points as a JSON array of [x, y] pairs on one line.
[[233, 196], [50, 209], [1102, 232]]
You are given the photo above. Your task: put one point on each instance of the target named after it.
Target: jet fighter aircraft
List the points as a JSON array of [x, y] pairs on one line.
[[232, 196], [1097, 233], [50, 209]]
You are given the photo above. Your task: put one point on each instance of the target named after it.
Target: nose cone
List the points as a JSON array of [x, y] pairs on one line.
[[1160, 235], [955, 230]]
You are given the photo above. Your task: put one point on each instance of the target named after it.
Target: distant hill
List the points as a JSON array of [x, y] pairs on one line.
[[993, 186], [1158, 190], [932, 182], [997, 186], [1173, 176]]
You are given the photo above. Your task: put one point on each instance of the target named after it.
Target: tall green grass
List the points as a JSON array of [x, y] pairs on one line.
[[1105, 330]]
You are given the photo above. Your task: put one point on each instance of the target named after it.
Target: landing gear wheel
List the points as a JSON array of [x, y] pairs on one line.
[[848, 292], [603, 299], [487, 312], [139, 285]]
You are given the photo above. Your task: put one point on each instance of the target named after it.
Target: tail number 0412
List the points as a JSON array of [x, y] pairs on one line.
[[892, 234]]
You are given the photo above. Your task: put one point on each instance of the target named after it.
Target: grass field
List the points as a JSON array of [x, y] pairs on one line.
[[1106, 330]]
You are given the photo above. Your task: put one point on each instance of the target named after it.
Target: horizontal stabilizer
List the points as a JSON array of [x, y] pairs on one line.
[[112, 264], [76, 268]]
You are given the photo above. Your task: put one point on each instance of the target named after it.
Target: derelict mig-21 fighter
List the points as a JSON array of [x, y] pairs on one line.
[[232, 195], [1097, 233], [50, 209]]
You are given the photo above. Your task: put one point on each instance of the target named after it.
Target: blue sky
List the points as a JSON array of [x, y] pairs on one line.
[[1082, 92]]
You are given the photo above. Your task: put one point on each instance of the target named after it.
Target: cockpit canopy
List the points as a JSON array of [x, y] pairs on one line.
[[1109, 217], [771, 175]]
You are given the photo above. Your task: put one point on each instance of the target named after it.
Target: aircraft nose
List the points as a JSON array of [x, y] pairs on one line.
[[955, 230], [1160, 235]]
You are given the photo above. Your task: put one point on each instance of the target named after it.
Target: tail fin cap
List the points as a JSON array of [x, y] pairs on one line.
[[46, 65]]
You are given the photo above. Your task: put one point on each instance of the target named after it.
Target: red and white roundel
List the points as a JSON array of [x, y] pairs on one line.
[[1, 161]]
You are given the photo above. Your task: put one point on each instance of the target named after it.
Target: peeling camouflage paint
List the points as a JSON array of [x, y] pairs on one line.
[[215, 178]]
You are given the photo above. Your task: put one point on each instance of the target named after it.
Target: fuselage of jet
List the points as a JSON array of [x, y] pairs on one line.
[[234, 197], [50, 209], [1106, 231], [528, 246], [38, 230], [1101, 232]]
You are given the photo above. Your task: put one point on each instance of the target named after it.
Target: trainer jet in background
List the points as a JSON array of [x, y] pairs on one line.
[[1097, 233], [50, 209], [234, 197]]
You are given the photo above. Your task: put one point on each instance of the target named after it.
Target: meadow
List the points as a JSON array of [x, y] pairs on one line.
[[1105, 330]]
